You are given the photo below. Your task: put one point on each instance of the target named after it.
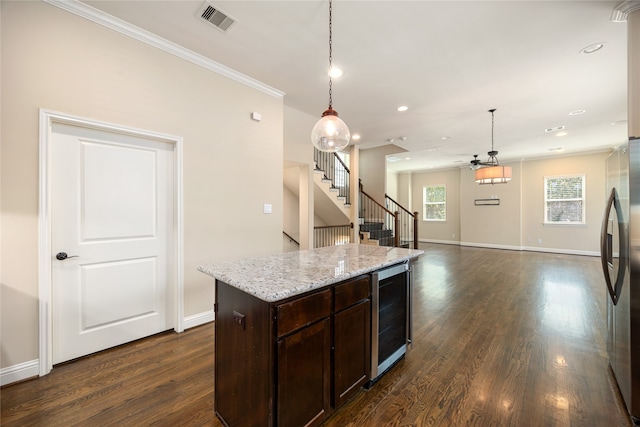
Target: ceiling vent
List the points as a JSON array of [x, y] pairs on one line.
[[219, 19]]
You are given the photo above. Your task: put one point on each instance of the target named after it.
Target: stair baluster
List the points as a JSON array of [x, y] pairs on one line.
[[408, 234]]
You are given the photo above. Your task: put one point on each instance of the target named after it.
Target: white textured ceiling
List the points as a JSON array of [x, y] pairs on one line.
[[449, 61]]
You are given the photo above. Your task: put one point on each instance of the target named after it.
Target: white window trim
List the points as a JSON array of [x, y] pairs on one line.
[[424, 211], [584, 201]]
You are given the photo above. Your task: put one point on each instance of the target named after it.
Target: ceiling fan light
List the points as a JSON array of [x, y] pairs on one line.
[[494, 175]]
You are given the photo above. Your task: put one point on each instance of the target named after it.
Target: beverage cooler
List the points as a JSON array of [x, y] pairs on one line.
[[391, 320]]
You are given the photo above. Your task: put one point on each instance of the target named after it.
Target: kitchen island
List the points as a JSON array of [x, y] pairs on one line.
[[296, 334]]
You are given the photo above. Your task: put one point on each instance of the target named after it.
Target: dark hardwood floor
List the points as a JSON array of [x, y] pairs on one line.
[[501, 338]]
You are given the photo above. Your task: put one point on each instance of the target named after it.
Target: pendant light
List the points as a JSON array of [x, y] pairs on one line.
[[330, 134], [490, 172]]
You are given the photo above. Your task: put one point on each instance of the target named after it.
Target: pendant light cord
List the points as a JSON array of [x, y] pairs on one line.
[[330, 56], [493, 159]]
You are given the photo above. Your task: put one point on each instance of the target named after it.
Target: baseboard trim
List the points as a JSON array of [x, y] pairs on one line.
[[514, 248], [561, 251], [199, 319], [19, 372], [443, 242], [491, 246]]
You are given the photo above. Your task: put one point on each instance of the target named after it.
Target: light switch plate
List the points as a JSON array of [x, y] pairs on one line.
[[267, 208]]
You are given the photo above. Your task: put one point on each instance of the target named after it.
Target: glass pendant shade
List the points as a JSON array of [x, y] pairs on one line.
[[330, 134], [493, 175]]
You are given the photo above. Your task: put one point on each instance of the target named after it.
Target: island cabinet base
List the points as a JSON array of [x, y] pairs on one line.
[[293, 362], [244, 381]]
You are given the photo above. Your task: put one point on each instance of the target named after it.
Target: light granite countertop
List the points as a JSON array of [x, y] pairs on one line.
[[276, 277]]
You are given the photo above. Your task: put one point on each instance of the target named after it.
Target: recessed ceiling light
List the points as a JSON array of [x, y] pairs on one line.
[[592, 48], [577, 112], [407, 158], [561, 134], [335, 72], [619, 122], [355, 136], [402, 108], [556, 149], [446, 138], [555, 129]]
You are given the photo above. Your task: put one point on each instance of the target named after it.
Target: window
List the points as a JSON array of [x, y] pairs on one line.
[[564, 199], [434, 199]]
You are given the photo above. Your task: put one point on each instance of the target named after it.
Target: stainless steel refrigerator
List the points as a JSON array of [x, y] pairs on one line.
[[620, 252]]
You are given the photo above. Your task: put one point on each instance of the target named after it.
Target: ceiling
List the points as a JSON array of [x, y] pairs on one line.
[[448, 61]]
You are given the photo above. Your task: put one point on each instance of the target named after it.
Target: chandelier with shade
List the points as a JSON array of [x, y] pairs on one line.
[[490, 172]]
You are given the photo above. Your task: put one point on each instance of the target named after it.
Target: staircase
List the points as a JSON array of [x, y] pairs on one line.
[[375, 233], [407, 223], [334, 172], [378, 224], [332, 177], [390, 225]]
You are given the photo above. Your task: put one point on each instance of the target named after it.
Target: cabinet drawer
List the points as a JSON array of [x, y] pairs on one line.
[[302, 311], [351, 292]]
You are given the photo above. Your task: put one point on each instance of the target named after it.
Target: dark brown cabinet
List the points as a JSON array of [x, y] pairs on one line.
[[303, 386], [304, 360], [293, 362], [352, 338]]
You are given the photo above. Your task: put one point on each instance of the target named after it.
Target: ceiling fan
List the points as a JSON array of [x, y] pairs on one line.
[[476, 163]]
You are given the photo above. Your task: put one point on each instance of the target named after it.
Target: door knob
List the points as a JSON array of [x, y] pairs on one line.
[[63, 255]]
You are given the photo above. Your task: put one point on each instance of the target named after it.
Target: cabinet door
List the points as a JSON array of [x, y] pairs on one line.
[[304, 376], [352, 350]]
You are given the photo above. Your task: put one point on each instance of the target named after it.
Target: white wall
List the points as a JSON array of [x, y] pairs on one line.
[[575, 238], [373, 167], [290, 218], [495, 225], [437, 231], [392, 185], [516, 219], [298, 153], [517, 222], [405, 192], [232, 165]]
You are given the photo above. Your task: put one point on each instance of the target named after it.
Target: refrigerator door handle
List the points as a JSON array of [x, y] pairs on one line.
[[606, 248]]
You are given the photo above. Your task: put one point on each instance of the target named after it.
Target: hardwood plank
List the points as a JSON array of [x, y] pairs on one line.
[[501, 338]]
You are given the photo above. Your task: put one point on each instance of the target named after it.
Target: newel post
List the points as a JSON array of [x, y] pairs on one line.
[[415, 230], [396, 229]]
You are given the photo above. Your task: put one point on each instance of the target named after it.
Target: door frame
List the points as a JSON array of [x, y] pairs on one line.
[[45, 282]]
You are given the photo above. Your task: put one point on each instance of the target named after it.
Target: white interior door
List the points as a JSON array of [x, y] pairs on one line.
[[112, 214]]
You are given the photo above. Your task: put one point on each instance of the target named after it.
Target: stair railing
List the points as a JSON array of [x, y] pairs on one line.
[[408, 229], [291, 239], [336, 172], [332, 235], [372, 212]]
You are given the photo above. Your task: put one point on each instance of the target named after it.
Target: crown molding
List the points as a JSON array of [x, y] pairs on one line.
[[88, 12], [621, 12]]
